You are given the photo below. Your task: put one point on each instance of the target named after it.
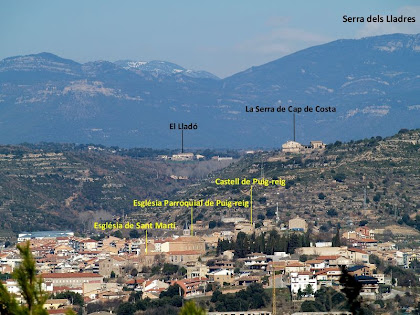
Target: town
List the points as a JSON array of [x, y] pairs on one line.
[[107, 271], [296, 249]]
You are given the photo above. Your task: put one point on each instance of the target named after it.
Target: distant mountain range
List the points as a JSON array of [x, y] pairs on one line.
[[374, 84], [159, 68]]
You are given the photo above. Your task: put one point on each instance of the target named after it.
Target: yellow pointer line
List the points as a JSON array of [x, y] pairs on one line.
[[146, 241], [192, 233], [251, 204]]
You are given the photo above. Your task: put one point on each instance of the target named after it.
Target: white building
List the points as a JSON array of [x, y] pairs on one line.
[[291, 146], [154, 286], [12, 262], [323, 244], [317, 145], [301, 280], [12, 286], [224, 158], [183, 157], [26, 236]]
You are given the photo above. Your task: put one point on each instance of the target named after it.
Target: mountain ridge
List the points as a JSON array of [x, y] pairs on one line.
[[372, 82], [53, 186], [163, 67]]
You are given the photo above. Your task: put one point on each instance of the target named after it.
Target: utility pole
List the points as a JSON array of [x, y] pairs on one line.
[[274, 291]]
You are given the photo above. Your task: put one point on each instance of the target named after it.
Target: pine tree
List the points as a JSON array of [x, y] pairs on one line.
[[30, 287], [191, 309], [294, 242], [336, 241], [219, 247], [351, 288]]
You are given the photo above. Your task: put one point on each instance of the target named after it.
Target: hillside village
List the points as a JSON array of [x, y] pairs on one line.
[[113, 268], [345, 210]]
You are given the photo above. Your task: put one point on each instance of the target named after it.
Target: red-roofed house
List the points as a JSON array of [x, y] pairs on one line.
[[192, 286], [315, 264], [328, 276], [294, 266]]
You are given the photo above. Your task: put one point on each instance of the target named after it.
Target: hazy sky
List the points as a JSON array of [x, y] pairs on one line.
[[220, 36]]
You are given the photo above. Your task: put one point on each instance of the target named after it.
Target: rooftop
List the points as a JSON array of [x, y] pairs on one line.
[[70, 275], [42, 234]]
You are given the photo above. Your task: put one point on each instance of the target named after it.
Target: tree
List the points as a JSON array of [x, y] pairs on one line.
[[134, 234], [351, 289], [405, 277], [241, 245], [135, 296], [326, 299], [169, 269], [118, 234], [173, 290], [191, 309], [363, 222], [73, 297], [332, 212], [373, 259], [262, 200], [112, 275], [309, 290], [30, 287], [294, 242], [336, 241], [216, 295], [134, 272], [310, 306], [126, 309], [182, 271], [340, 177], [300, 294], [253, 297]]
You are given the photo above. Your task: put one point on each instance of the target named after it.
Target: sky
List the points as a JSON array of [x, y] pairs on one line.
[[223, 37]]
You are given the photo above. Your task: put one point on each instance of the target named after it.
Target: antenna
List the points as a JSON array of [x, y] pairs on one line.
[[294, 127], [262, 168], [277, 214]]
